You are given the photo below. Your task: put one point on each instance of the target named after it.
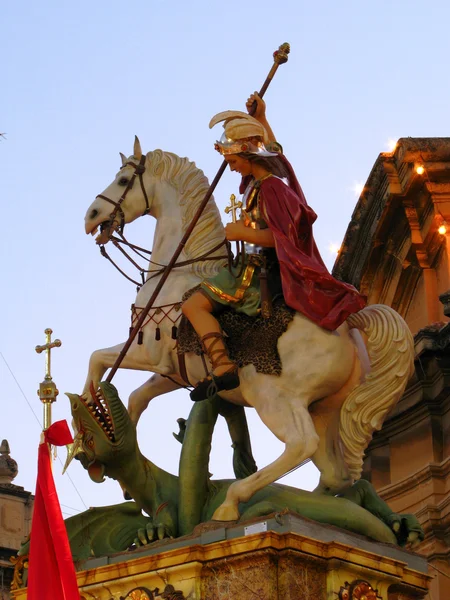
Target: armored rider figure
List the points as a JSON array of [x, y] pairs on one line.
[[276, 228]]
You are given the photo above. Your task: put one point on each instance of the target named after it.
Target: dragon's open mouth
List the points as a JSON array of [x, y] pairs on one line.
[[100, 412]]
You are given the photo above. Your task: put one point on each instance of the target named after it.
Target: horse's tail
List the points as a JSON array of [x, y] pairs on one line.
[[391, 352]]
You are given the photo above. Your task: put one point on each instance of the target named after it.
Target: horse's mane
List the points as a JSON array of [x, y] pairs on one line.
[[192, 185]]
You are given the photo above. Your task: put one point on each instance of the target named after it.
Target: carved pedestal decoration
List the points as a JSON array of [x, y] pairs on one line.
[[138, 594], [358, 590], [20, 564], [169, 593]]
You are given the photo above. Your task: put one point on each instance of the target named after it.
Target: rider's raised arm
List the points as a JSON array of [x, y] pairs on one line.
[[260, 114]]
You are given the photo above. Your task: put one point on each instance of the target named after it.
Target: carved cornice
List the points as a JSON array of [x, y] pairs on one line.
[[394, 176], [10, 489], [438, 517], [412, 409], [405, 486]]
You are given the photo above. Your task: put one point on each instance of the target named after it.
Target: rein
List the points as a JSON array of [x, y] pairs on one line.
[[155, 272]]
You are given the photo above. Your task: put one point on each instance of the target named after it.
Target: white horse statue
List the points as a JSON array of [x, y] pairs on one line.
[[335, 388]]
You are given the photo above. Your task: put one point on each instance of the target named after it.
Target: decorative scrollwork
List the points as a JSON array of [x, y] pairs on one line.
[[358, 590], [140, 593], [20, 564], [170, 593]]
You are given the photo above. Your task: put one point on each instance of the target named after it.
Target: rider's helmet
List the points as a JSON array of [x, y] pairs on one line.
[[243, 134]]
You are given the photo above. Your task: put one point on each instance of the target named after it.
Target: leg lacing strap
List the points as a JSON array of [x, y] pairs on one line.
[[213, 384], [216, 356]]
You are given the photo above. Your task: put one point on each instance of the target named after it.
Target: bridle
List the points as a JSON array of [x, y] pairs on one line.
[[139, 170]]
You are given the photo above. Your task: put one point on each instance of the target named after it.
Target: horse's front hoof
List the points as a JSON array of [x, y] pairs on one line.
[[226, 512]]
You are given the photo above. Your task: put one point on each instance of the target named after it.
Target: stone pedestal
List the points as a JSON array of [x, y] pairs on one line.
[[280, 558]]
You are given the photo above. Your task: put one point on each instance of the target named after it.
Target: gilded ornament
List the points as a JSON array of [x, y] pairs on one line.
[[169, 593], [358, 590], [20, 564]]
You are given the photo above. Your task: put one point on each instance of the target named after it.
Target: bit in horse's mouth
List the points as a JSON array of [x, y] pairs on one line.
[[100, 412], [106, 230]]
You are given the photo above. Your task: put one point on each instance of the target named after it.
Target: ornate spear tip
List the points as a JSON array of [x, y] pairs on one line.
[[4, 448], [280, 56]]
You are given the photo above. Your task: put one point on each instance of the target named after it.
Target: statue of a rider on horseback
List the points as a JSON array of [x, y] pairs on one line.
[[343, 366]]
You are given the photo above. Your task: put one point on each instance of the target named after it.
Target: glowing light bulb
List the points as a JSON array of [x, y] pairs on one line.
[[334, 248], [443, 228], [420, 169], [392, 145]]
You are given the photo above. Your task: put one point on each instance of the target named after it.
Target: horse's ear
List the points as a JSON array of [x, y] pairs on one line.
[[137, 152], [124, 158]]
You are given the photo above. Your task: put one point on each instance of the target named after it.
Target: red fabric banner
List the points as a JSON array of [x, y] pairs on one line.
[[51, 574]]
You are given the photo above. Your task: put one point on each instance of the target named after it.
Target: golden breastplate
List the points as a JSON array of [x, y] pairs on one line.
[[252, 213]]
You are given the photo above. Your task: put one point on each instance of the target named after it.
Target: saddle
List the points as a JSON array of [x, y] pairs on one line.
[[250, 340]]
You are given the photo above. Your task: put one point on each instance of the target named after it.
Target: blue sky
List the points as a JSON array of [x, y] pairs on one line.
[[79, 80]]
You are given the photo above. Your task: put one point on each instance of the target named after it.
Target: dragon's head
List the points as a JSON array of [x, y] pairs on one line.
[[105, 436]]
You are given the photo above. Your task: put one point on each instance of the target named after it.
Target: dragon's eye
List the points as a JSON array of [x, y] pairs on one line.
[[123, 181]]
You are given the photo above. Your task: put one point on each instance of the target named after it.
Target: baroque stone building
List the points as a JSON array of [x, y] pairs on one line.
[[16, 507], [396, 251]]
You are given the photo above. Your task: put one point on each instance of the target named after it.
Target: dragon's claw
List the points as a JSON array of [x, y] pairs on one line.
[[152, 533]]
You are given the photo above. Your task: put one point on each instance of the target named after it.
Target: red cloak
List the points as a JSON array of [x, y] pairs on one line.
[[308, 287]]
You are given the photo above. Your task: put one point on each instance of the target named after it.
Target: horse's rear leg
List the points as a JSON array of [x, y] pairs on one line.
[[296, 429], [328, 458]]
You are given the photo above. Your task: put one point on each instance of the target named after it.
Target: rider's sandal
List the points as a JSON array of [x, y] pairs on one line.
[[209, 387]]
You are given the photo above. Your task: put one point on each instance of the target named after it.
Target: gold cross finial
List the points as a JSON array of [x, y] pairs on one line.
[[233, 208], [48, 391], [47, 347]]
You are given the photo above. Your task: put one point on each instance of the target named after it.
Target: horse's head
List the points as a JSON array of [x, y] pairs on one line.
[[169, 188], [123, 201]]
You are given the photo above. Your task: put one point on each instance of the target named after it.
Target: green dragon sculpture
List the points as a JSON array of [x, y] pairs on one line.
[[108, 447]]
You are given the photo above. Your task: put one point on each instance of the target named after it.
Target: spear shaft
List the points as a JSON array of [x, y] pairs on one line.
[[280, 57]]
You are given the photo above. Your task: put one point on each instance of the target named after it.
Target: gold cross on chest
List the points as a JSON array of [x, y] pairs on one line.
[[233, 208], [47, 348]]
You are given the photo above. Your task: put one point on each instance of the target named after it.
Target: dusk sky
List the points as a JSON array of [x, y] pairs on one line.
[[80, 79]]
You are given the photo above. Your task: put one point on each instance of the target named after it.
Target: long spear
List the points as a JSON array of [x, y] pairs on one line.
[[280, 56]]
